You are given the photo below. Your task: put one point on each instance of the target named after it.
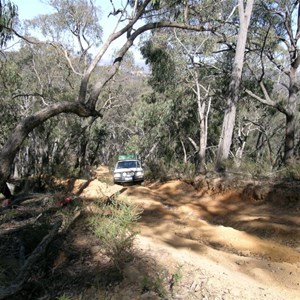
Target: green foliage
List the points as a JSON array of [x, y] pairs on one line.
[[248, 166], [185, 171], [155, 115], [156, 170], [292, 170], [77, 18], [115, 229], [30, 79], [156, 3], [162, 170], [163, 67], [8, 18], [176, 277], [156, 284], [64, 297]]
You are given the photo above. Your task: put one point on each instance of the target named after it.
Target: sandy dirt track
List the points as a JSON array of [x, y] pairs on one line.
[[237, 248]]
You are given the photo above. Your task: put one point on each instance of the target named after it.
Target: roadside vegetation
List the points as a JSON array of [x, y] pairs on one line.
[[173, 111], [114, 226]]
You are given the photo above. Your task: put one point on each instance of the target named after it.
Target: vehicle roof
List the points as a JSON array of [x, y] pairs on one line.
[[129, 159]]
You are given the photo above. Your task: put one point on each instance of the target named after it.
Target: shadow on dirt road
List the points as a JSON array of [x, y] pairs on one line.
[[255, 237]]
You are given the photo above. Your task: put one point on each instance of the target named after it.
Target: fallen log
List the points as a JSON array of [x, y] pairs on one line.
[[24, 273], [20, 225], [60, 227]]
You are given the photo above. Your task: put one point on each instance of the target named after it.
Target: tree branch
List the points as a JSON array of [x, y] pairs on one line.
[[194, 144], [15, 140], [268, 101], [98, 57], [117, 62]]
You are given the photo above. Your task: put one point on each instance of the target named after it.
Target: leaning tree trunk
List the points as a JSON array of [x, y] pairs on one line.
[[85, 106], [233, 96], [15, 140]]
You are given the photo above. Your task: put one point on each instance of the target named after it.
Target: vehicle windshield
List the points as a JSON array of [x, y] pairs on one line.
[[128, 164]]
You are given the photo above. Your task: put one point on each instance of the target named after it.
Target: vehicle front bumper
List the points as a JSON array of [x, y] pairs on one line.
[[128, 177]]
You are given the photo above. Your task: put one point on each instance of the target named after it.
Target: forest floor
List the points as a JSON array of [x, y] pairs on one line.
[[219, 241]]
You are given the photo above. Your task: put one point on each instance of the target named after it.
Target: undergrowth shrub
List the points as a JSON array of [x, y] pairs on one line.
[[255, 168], [180, 170], [160, 170], [156, 170], [292, 171], [115, 227], [156, 284], [248, 167], [65, 171]]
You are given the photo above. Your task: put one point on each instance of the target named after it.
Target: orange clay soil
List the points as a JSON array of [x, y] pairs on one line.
[[196, 244], [238, 249]]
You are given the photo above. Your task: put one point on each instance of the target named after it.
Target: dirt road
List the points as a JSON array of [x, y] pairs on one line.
[[225, 247], [192, 244]]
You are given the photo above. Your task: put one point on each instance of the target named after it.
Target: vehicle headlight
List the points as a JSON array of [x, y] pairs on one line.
[[117, 175], [139, 173]]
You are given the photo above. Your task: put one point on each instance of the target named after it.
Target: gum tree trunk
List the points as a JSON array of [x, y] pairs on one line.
[[230, 112], [289, 145]]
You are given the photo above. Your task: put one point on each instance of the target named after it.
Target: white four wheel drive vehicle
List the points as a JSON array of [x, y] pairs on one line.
[[128, 170]]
